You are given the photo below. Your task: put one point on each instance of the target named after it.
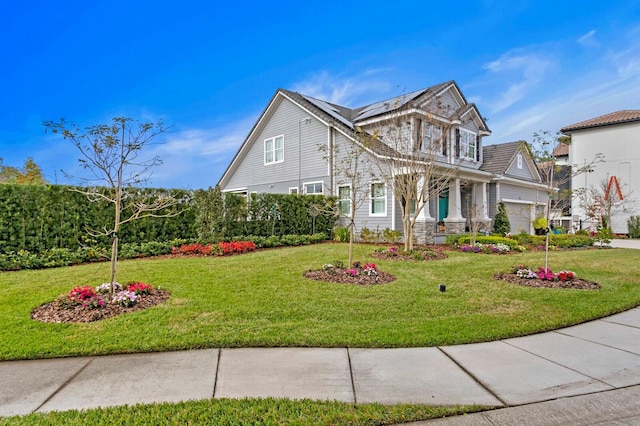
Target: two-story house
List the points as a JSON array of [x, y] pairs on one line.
[[615, 137], [295, 145]]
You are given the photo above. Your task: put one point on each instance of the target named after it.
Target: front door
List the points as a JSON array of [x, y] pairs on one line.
[[443, 205]]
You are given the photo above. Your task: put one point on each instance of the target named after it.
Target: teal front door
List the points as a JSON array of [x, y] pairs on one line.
[[443, 206]]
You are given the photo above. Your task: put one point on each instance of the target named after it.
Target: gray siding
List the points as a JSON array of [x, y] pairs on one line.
[[523, 173], [369, 172], [304, 160], [512, 192]]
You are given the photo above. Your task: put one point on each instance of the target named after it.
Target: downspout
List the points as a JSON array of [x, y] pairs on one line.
[[330, 152]]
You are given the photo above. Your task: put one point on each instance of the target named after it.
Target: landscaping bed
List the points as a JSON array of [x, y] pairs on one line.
[[576, 284], [56, 312]]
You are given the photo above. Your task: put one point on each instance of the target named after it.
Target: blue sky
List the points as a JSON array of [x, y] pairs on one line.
[[209, 68]]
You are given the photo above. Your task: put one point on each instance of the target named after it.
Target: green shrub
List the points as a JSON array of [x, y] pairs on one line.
[[367, 235], [492, 239], [557, 240], [390, 236], [453, 239], [341, 234], [501, 224], [523, 238], [633, 223]]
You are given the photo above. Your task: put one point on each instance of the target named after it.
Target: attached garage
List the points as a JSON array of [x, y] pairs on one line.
[[520, 216]]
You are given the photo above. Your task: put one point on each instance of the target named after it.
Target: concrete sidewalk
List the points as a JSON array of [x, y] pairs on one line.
[[590, 359]]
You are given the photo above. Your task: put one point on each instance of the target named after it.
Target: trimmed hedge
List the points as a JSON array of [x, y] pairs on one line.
[[37, 218], [557, 240], [482, 239], [57, 257]]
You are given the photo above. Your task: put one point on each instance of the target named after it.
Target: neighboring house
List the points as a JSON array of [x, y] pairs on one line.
[[282, 155], [617, 137], [560, 214], [516, 182]]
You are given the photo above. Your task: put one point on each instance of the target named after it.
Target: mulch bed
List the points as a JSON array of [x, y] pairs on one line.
[[577, 284], [52, 312], [341, 277]]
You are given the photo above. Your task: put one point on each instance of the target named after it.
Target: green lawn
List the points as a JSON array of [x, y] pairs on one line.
[[243, 412], [262, 299]]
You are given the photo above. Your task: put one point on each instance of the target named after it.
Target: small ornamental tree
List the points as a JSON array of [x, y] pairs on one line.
[[352, 166], [110, 152], [501, 224]]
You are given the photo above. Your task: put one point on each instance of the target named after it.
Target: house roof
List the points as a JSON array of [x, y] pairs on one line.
[[497, 158], [618, 117], [397, 102], [347, 119], [561, 150]]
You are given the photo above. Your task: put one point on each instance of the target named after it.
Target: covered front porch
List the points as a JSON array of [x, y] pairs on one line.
[[459, 206]]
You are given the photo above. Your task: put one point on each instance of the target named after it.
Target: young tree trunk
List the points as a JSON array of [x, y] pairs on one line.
[[352, 236], [408, 232], [114, 260]]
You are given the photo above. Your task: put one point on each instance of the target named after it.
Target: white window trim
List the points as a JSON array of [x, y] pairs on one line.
[[293, 190], [519, 158], [345, 199], [371, 199], [432, 133], [464, 147], [264, 151], [304, 187]]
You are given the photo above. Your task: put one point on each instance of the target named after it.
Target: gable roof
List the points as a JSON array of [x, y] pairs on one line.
[[346, 119], [497, 158], [618, 117], [398, 102]]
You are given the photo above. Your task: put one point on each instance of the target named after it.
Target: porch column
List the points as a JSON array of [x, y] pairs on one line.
[[480, 200], [480, 205], [426, 212], [425, 225], [454, 223]]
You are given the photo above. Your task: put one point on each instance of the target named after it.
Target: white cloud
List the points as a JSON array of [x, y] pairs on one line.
[[522, 71], [192, 158], [588, 39], [347, 91]]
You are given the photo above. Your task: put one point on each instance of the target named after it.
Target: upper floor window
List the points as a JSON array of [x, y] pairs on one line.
[[467, 145], [378, 196], [344, 200], [313, 188], [432, 139], [274, 150]]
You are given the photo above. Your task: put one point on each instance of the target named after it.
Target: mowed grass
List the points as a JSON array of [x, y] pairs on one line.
[[244, 412], [261, 299]]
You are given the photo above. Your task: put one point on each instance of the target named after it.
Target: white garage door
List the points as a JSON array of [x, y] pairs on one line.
[[519, 217]]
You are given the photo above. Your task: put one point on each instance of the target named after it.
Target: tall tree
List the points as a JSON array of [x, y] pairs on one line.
[[110, 152], [31, 173]]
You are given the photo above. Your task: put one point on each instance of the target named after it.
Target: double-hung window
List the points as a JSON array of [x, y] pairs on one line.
[[378, 199], [432, 139], [344, 200], [313, 188], [274, 150], [467, 145]]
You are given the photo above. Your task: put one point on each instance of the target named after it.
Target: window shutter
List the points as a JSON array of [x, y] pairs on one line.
[[457, 143], [477, 148], [445, 142]]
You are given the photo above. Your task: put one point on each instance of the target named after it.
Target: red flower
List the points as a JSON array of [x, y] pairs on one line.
[[139, 287]]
